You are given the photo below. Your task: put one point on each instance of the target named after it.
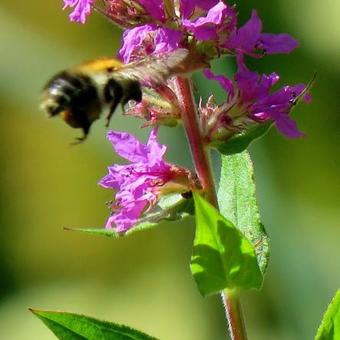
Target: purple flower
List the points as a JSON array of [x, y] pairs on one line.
[[277, 106], [252, 87], [140, 183], [216, 22], [277, 43], [252, 99], [249, 40], [148, 39], [219, 19], [82, 8]]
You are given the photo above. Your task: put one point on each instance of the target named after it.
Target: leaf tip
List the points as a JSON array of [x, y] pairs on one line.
[[35, 311]]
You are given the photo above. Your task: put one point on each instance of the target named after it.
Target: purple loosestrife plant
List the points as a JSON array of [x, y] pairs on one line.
[[231, 248]]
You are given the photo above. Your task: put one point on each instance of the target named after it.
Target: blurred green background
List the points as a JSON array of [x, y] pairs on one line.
[[144, 280]]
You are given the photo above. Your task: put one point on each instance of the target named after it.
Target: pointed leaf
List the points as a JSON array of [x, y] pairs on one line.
[[330, 325], [172, 208], [222, 257], [68, 326], [237, 202], [241, 141]]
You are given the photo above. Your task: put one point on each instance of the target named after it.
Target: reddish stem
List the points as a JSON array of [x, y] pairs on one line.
[[201, 161], [199, 152], [233, 312]]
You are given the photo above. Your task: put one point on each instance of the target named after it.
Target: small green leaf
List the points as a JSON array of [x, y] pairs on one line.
[[68, 326], [237, 202], [241, 141], [330, 325], [222, 257], [171, 208]]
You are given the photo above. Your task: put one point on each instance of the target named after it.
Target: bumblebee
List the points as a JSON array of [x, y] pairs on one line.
[[80, 94]]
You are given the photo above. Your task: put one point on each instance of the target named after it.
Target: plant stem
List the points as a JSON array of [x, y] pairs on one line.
[[199, 152], [233, 313], [201, 161]]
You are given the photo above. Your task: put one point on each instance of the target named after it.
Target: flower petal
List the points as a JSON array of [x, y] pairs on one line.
[[128, 146], [246, 37], [277, 43], [126, 218], [146, 40], [225, 83], [287, 126], [82, 8], [207, 27], [155, 151], [249, 40]]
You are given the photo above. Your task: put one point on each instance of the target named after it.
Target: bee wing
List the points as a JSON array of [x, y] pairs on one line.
[[155, 69]]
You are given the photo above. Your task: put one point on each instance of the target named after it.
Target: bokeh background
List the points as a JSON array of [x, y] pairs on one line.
[[144, 280]]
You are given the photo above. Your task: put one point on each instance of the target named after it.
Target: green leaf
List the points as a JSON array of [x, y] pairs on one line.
[[171, 208], [330, 325], [241, 141], [222, 257], [68, 326], [237, 202]]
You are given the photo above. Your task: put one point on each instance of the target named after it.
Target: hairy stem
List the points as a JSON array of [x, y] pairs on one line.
[[201, 161], [233, 312], [199, 152]]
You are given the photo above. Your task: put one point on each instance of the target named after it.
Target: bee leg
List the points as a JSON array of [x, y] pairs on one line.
[[113, 93], [79, 140], [111, 112], [134, 93], [86, 130]]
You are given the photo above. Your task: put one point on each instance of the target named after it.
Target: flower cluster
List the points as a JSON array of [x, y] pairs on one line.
[[143, 181], [160, 26], [207, 29]]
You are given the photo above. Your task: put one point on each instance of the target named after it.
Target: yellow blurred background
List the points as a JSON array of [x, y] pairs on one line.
[[144, 280]]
